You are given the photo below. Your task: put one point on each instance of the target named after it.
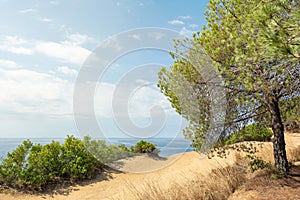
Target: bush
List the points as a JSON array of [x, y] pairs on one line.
[[106, 153], [78, 162], [34, 167], [257, 163], [253, 132], [12, 167], [109, 153], [144, 147]]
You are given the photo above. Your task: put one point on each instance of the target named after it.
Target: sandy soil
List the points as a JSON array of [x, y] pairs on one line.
[[137, 172]]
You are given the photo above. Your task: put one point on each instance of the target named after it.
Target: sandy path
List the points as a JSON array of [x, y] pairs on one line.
[[175, 169]]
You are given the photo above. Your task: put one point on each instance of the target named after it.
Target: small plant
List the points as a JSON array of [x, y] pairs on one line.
[[123, 147], [257, 163], [144, 147]]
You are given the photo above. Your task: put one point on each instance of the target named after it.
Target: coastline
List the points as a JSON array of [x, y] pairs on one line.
[[178, 169]]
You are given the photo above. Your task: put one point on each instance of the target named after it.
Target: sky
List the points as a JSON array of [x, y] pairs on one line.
[[44, 45]]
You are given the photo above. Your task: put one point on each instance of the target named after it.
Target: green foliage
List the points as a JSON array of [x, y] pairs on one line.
[[144, 147], [123, 147], [290, 113], [290, 109], [254, 48], [106, 153], [78, 162], [12, 167], [253, 132], [257, 163], [34, 167]]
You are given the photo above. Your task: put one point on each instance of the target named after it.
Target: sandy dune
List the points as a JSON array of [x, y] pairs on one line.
[[142, 170]]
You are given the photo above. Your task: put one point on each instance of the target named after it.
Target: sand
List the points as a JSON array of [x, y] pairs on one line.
[[137, 172]]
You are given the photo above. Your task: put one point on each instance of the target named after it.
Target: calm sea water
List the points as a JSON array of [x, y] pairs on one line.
[[167, 146]]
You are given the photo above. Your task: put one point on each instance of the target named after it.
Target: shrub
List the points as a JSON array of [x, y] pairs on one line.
[[11, 168], [257, 163], [77, 161], [253, 132], [34, 167], [105, 153], [144, 147], [109, 153]]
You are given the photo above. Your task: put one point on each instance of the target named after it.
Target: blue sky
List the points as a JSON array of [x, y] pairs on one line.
[[43, 45]]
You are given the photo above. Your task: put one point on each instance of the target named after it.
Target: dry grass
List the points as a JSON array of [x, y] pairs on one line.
[[219, 184], [294, 154], [270, 184], [264, 185], [231, 182]]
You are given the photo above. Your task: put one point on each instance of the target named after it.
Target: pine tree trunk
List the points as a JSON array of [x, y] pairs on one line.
[[278, 141]]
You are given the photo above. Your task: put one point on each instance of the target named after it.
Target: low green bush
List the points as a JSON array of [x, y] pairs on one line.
[[34, 167], [106, 153], [144, 147], [109, 153], [257, 163], [253, 132]]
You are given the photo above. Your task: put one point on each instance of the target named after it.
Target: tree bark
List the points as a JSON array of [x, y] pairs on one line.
[[278, 140]]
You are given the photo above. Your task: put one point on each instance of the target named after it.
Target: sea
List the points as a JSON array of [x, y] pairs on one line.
[[167, 146]]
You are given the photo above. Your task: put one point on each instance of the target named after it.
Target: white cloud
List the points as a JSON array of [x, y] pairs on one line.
[[77, 39], [146, 98], [67, 70], [186, 32], [34, 93], [47, 20], [29, 92], [8, 64], [139, 104], [17, 50], [176, 22], [14, 40], [142, 82], [103, 100], [186, 17], [146, 3], [157, 35], [15, 44], [180, 20], [193, 25], [65, 51], [112, 43], [135, 36], [69, 50], [29, 10], [54, 3]]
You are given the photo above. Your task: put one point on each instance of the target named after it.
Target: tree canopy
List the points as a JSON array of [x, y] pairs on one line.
[[254, 46]]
